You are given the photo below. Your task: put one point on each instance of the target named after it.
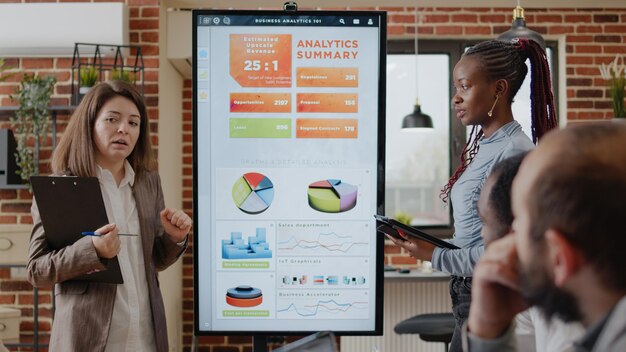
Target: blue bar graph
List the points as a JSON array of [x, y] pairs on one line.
[[257, 247]]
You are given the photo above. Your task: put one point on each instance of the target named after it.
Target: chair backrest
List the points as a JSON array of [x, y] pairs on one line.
[[323, 341]]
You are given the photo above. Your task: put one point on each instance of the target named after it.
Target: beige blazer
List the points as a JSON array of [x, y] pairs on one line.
[[84, 309]]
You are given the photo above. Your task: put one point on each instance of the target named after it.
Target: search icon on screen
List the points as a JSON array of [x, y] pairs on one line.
[[342, 21]]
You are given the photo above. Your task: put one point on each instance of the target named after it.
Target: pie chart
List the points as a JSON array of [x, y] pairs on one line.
[[332, 196], [253, 193]]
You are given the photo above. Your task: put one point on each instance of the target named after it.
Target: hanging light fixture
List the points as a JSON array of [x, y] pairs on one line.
[[519, 29], [417, 119]]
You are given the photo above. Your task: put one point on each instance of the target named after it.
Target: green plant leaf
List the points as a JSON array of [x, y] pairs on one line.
[[123, 75], [89, 75], [31, 121], [3, 68]]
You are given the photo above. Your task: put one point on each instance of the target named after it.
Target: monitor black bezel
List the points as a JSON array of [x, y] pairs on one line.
[[382, 16]]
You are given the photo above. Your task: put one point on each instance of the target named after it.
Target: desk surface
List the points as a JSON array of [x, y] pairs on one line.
[[417, 275]]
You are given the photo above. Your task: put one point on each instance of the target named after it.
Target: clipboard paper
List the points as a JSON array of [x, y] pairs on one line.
[[69, 205]]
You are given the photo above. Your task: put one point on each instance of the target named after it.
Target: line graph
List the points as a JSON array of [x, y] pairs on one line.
[[340, 240], [321, 243], [325, 308]]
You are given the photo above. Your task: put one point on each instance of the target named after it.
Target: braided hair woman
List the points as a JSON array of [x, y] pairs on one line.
[[486, 78]]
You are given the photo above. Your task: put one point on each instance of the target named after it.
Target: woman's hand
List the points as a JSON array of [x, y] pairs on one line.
[[176, 223], [107, 243], [416, 248]]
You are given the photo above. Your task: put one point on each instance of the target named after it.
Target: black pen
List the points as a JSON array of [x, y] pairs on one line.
[[91, 233]]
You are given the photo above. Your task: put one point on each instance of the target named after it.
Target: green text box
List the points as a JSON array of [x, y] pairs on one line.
[[246, 313], [245, 265], [260, 128]]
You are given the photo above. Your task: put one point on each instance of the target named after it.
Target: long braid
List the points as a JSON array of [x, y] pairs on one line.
[[506, 60], [542, 100], [469, 151]]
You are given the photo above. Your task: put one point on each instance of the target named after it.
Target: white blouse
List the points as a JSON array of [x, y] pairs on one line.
[[131, 324]]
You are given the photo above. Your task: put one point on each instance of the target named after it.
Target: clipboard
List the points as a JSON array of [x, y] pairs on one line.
[[389, 227], [69, 205]]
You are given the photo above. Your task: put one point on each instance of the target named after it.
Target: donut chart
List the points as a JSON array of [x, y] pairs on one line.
[[253, 193], [332, 196], [244, 296]]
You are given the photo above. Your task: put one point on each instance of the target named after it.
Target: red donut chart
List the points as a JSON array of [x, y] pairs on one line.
[[244, 296]]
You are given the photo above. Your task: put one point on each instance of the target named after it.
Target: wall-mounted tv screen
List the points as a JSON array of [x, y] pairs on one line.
[[288, 146]]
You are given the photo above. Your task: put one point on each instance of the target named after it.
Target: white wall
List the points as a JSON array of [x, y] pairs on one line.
[[170, 168]]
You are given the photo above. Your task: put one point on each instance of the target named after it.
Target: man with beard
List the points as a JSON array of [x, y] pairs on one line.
[[532, 331], [566, 254]]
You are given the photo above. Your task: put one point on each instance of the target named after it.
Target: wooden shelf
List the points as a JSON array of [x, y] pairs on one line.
[[7, 112], [14, 187]]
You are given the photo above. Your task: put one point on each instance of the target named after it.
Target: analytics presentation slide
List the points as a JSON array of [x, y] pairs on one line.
[[286, 152]]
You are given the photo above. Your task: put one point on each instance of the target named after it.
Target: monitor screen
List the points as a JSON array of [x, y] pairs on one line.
[[288, 118]]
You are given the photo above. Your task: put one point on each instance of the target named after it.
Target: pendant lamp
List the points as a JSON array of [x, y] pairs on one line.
[[416, 119], [519, 29]]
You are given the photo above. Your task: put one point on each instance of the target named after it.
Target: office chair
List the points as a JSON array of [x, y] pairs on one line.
[[435, 327]]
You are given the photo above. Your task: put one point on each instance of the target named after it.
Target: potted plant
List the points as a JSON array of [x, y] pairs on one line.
[[403, 217], [615, 75], [31, 121], [88, 76], [123, 75], [4, 68]]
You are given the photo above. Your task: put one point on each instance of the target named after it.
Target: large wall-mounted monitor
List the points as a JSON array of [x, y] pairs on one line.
[[288, 118]]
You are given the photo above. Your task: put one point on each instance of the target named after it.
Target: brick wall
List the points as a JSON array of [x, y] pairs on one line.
[[15, 204], [592, 37]]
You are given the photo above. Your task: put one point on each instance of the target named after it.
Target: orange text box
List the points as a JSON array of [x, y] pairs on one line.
[[327, 76], [260, 102], [261, 60], [327, 128], [326, 102]]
